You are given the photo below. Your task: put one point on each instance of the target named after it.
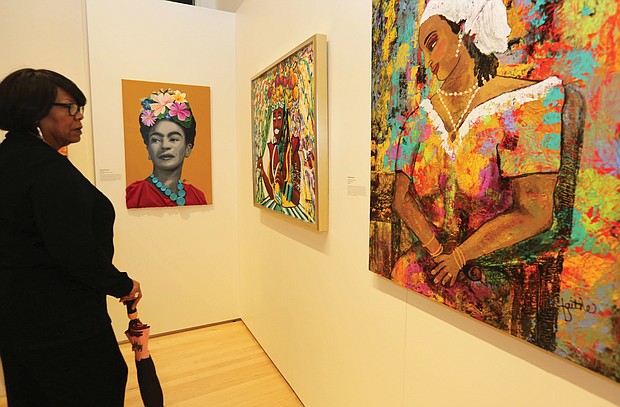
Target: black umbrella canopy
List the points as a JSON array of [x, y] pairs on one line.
[[148, 382]]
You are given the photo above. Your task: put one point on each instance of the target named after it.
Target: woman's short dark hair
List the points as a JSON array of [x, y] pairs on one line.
[[27, 95]]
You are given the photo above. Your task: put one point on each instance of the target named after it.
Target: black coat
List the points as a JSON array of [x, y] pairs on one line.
[[56, 248]]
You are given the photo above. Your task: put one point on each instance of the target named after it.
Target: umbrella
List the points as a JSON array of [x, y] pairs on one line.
[[138, 335]]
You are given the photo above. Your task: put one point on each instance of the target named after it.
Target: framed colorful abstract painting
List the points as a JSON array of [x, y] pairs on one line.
[[289, 135], [494, 165], [167, 144]]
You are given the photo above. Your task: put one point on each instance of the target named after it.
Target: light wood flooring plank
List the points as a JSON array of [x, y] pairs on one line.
[[217, 366]]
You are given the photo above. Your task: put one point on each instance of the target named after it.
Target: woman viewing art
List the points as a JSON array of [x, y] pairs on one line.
[[168, 129], [56, 340]]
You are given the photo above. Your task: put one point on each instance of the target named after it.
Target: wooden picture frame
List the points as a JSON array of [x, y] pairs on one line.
[[289, 135]]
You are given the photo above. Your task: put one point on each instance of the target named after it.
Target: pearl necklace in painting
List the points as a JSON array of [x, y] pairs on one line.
[[457, 125], [178, 198], [464, 92]]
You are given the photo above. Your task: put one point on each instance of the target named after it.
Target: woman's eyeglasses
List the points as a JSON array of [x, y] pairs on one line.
[[72, 108]]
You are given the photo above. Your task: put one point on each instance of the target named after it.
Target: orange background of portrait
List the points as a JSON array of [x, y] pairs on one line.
[[197, 167]]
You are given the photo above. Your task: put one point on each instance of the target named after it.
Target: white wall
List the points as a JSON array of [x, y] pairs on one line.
[[341, 335], [185, 258], [35, 36]]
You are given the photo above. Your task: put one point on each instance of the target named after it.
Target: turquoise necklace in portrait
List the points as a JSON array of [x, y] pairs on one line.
[[178, 198]]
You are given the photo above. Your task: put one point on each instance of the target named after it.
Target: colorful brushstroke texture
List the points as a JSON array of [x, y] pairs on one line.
[[576, 41], [284, 158]]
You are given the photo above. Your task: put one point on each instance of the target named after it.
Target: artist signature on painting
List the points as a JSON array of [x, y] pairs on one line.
[[574, 304]]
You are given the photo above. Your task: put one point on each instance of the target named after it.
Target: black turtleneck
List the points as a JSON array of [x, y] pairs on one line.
[[56, 248]]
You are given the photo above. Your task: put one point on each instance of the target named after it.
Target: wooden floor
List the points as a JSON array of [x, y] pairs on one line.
[[217, 366]]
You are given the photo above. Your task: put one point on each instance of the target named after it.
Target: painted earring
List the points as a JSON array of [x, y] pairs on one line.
[[458, 47]]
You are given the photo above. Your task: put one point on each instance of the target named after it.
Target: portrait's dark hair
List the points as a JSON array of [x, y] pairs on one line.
[[27, 95], [485, 66], [190, 132]]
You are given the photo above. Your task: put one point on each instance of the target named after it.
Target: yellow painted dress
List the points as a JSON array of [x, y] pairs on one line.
[[464, 183]]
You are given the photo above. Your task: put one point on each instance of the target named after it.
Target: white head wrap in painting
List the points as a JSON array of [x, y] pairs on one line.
[[485, 20]]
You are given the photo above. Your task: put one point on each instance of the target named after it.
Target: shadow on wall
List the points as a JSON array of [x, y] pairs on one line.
[[222, 5]]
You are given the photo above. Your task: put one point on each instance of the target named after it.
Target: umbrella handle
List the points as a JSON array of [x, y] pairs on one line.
[[132, 312], [130, 307]]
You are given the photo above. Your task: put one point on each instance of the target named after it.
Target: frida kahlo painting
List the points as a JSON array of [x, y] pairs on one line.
[[494, 165], [167, 144], [289, 135]]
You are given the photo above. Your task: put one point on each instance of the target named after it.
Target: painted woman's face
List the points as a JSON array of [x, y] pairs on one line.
[[439, 44], [278, 120], [166, 145]]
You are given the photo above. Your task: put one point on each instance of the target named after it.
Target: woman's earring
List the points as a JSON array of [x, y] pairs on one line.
[[39, 130], [458, 47]]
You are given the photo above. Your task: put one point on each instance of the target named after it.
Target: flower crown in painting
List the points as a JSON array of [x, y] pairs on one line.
[[166, 104], [277, 105]]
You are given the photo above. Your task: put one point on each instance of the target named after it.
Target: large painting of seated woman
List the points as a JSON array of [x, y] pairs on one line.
[[492, 171], [167, 142]]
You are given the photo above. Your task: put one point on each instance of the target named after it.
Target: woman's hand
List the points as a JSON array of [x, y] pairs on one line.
[[447, 270], [134, 295]]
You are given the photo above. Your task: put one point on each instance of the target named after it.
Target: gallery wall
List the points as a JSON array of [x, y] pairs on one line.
[[50, 43], [185, 258], [341, 335]]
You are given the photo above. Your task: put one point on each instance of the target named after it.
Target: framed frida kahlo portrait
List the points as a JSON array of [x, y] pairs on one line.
[[167, 144], [289, 135], [495, 166]]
